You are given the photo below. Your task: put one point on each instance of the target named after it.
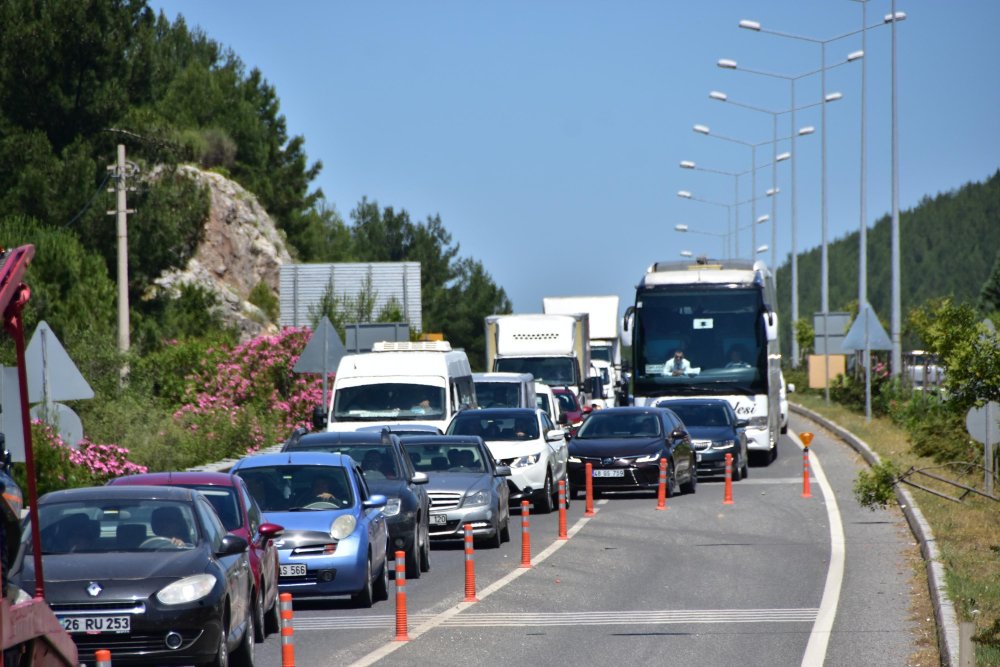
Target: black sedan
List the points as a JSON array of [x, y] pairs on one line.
[[147, 572], [715, 431], [625, 445], [389, 472]]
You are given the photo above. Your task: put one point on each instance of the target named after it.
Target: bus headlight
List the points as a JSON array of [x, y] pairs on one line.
[[760, 421]]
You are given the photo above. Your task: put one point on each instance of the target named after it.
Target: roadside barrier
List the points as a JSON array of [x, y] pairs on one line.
[[102, 658], [287, 630], [402, 634], [562, 510], [728, 497], [589, 485], [661, 490], [525, 536], [470, 566], [806, 438]]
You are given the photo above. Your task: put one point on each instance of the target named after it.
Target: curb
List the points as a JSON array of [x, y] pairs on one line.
[[944, 610]]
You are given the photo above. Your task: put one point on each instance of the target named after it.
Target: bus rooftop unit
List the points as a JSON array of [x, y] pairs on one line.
[[720, 315]]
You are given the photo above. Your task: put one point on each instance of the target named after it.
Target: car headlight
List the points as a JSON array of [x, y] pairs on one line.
[[392, 506], [574, 459], [188, 589], [343, 526], [723, 444], [648, 458], [476, 499], [525, 461], [760, 421]]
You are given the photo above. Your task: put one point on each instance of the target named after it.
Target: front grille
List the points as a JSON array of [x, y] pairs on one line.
[[131, 643], [316, 550], [445, 500]]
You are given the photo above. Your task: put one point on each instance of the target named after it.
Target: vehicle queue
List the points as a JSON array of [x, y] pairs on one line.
[[326, 515]]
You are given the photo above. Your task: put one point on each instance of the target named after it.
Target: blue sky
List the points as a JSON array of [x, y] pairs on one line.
[[548, 134]]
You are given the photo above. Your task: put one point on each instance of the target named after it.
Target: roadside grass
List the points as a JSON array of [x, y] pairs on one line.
[[967, 532]]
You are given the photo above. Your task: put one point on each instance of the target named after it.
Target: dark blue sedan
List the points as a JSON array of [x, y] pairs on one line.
[[715, 431]]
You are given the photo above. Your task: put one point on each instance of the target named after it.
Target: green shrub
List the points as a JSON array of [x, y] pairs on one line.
[[875, 487], [262, 297]]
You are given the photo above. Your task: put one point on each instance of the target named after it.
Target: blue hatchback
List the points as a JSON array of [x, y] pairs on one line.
[[335, 536]]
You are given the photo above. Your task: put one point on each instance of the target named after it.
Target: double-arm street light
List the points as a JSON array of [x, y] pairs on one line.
[[687, 230], [726, 63]]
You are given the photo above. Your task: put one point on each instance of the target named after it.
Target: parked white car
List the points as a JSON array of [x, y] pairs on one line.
[[528, 442]]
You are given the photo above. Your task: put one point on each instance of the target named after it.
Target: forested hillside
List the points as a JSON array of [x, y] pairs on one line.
[[949, 246], [78, 77]]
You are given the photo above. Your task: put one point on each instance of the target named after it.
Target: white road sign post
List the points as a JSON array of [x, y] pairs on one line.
[[983, 427]]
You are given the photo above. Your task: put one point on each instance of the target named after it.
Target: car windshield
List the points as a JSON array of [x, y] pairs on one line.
[[432, 457], [103, 526], [292, 488], [393, 400], [223, 499], [377, 460], [700, 415], [498, 394], [602, 424], [495, 427]]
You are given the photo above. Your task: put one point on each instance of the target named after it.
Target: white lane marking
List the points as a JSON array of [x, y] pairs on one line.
[[819, 637], [440, 619], [534, 619]]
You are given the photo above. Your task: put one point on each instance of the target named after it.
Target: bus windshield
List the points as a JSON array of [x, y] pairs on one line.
[[700, 339]]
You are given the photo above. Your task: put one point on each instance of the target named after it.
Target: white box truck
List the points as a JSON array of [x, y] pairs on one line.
[[602, 312], [553, 348]]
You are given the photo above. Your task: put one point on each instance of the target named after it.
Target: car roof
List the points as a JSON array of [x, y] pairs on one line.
[[204, 478], [293, 458], [667, 402], [401, 429], [627, 408], [499, 412], [321, 438], [120, 492], [441, 439]]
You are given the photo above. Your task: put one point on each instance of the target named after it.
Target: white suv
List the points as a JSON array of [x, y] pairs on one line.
[[528, 442]]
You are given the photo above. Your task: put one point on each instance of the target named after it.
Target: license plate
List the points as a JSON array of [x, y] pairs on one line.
[[292, 570], [439, 519], [94, 625], [611, 472]]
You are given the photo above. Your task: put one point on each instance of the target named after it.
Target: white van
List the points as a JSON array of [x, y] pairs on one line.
[[505, 390], [401, 384], [546, 399]]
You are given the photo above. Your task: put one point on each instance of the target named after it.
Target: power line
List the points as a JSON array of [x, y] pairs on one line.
[[90, 203]]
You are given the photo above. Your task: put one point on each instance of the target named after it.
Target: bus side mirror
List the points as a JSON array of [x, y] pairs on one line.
[[319, 418], [771, 325], [629, 312]]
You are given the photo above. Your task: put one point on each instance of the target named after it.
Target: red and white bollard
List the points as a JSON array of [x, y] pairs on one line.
[[727, 499], [287, 630], [806, 439], [402, 634], [562, 510], [102, 658], [525, 536], [661, 490], [589, 485], [470, 566]]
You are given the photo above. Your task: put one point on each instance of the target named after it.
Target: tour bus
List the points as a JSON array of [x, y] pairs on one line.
[[401, 383], [718, 316]]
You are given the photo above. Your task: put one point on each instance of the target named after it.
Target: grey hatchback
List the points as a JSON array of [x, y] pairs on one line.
[[465, 486]]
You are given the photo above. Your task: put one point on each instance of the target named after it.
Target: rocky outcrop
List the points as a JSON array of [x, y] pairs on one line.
[[241, 248]]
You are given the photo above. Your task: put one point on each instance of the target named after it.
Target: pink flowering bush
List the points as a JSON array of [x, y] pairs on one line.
[[59, 466], [247, 397]]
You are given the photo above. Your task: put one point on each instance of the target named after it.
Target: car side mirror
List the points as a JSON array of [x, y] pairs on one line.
[[678, 434], [419, 478], [554, 434], [270, 530], [232, 545], [319, 418], [375, 500], [503, 471], [563, 418], [742, 423]]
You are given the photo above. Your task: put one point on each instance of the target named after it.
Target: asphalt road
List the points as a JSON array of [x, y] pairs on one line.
[[701, 583]]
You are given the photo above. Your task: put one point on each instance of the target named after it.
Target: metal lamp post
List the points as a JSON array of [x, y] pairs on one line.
[[687, 230]]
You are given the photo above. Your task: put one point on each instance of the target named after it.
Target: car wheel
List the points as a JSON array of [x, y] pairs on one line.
[[773, 454], [738, 469], [494, 540], [244, 654], [259, 633], [413, 557], [545, 498], [691, 486], [505, 528], [380, 591], [746, 465], [569, 492], [425, 551], [221, 658], [365, 596], [672, 488], [272, 619]]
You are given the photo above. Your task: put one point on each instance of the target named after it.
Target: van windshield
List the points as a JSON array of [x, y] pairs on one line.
[[395, 400]]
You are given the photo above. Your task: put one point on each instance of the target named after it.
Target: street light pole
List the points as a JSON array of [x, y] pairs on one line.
[[897, 350]]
